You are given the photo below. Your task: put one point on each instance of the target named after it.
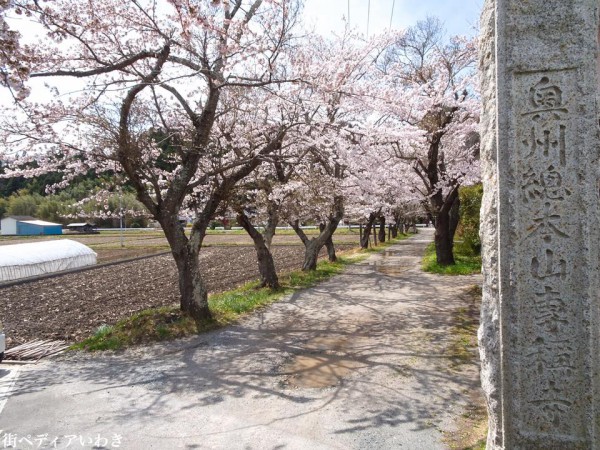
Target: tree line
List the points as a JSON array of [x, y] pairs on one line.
[[233, 109]]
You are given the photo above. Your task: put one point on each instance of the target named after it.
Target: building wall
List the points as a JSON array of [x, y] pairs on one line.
[[29, 229], [9, 227]]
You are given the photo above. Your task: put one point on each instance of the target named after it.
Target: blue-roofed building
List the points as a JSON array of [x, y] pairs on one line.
[[28, 226]]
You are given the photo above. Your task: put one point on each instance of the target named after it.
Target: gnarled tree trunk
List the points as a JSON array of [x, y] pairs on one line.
[[192, 289], [194, 295], [364, 242], [313, 246], [329, 245], [266, 265]]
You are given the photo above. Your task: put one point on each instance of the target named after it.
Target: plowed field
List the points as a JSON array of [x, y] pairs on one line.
[[73, 306]]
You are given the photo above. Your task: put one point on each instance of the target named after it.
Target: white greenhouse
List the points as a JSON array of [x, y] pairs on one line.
[[41, 258]]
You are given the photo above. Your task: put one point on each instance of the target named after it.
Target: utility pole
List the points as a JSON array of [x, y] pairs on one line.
[[121, 217]]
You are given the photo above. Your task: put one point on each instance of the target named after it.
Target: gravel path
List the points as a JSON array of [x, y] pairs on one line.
[[358, 362]]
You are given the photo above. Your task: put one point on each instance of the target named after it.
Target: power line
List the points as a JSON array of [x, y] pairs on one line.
[[392, 15], [348, 12]]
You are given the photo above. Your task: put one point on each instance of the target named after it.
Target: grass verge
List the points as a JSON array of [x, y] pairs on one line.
[[471, 426], [160, 324], [465, 320], [466, 263]]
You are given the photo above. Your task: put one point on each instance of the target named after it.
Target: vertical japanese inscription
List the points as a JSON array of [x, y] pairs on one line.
[[548, 363]]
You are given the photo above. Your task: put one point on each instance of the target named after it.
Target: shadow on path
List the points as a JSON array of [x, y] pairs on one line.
[[358, 361]]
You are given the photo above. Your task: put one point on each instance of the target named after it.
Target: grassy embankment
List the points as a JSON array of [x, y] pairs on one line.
[[467, 263], [166, 323]]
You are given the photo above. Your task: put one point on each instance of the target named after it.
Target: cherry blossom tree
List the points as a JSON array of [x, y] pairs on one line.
[[258, 213], [335, 74], [371, 189], [431, 112], [13, 62], [252, 202], [158, 86]]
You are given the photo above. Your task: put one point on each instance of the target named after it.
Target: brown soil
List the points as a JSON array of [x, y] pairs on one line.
[[118, 254], [73, 306], [471, 425]]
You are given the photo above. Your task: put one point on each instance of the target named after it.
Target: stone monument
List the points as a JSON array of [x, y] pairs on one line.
[[539, 338]]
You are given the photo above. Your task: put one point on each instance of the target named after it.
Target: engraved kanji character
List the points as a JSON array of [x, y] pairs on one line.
[[548, 266], [532, 188], [551, 355], [551, 180], [545, 95], [547, 137], [546, 224], [555, 411], [551, 310]]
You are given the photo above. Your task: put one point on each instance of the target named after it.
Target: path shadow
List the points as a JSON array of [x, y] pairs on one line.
[[392, 333]]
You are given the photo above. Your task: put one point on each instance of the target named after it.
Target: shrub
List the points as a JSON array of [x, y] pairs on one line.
[[468, 230]]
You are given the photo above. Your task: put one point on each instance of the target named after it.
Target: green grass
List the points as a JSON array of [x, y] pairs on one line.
[[151, 325], [481, 444], [470, 430], [155, 325], [383, 245], [464, 329], [466, 262]]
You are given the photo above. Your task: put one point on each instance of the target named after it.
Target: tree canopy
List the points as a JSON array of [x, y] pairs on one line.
[[229, 108]]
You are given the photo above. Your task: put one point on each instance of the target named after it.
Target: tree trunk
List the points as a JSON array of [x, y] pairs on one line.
[[445, 225], [364, 242], [313, 246], [194, 295], [272, 222], [311, 255], [382, 229], [192, 290], [329, 244], [394, 231], [266, 265], [443, 240]]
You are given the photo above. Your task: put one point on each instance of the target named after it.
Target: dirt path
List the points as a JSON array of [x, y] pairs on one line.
[[360, 361]]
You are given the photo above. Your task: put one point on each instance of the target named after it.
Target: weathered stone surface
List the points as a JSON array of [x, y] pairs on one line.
[[539, 337]]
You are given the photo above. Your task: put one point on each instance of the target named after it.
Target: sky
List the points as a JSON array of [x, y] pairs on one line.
[[327, 16], [459, 16]]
